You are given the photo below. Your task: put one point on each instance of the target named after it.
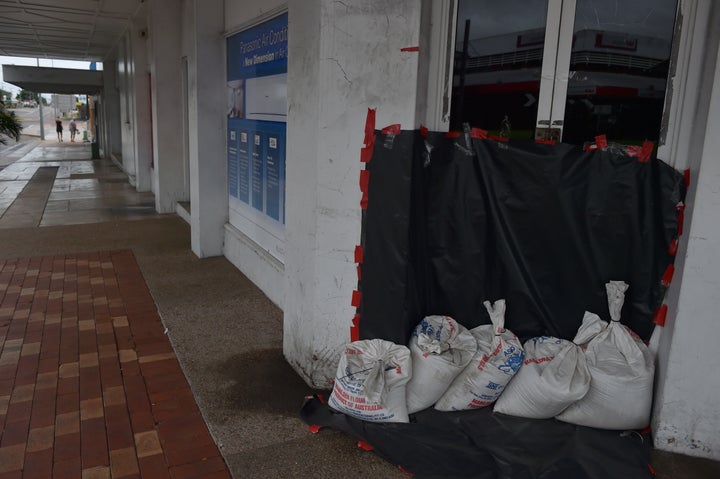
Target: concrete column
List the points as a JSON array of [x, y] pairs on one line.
[[165, 40], [206, 111], [141, 103], [686, 418], [330, 87], [127, 107], [111, 109]]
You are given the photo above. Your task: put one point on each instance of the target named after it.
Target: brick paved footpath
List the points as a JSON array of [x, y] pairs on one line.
[[89, 384]]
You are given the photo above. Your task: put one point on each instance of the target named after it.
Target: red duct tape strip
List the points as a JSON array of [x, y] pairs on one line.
[[359, 272], [478, 133], [601, 141], [320, 397], [410, 49], [646, 151], [314, 428], [668, 275], [660, 315], [364, 446], [391, 129], [405, 471], [686, 173], [366, 153], [550, 142], [358, 254], [681, 217], [355, 328], [364, 201], [369, 126], [672, 250], [452, 134], [364, 180], [356, 296], [652, 470], [423, 131], [499, 138]]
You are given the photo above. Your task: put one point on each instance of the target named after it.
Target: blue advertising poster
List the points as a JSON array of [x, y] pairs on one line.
[[257, 113]]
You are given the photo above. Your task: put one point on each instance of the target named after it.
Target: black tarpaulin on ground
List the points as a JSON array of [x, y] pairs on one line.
[[452, 222], [481, 444]]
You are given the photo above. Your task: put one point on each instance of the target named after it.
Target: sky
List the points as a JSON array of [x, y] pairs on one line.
[[44, 62]]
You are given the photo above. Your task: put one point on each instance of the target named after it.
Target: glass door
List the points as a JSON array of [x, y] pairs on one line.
[[563, 70]]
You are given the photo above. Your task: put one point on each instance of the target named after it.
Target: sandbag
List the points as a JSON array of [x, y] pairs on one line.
[[499, 355], [440, 349], [621, 371], [553, 376], [370, 381]]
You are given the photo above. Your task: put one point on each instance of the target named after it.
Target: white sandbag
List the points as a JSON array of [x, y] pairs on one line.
[[370, 381], [440, 349], [554, 375], [621, 370], [499, 355]]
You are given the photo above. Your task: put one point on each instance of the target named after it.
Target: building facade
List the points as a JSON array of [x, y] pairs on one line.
[[254, 113]]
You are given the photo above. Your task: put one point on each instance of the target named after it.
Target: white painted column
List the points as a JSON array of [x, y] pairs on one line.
[[111, 109], [165, 40], [343, 58], [206, 110], [140, 88], [686, 418]]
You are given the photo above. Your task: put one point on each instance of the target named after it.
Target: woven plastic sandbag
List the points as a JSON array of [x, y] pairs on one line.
[[370, 381], [553, 376], [621, 370], [440, 348], [499, 356]]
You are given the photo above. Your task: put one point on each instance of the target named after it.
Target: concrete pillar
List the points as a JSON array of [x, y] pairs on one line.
[[685, 417], [111, 108], [330, 88], [206, 111], [141, 104], [165, 40]]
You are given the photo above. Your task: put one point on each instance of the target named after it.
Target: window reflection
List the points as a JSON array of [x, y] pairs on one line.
[[502, 67], [618, 70]]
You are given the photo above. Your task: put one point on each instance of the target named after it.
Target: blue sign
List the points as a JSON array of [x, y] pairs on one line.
[[259, 51], [257, 110]]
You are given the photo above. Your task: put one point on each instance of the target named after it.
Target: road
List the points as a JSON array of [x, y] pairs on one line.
[[30, 119]]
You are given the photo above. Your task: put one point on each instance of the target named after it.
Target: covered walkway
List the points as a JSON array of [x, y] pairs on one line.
[[118, 345]]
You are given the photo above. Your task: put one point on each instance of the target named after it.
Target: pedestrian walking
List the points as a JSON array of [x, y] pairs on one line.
[[59, 129], [73, 129]]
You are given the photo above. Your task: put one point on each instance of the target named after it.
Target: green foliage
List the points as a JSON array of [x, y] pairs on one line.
[[9, 125], [24, 95], [5, 95]]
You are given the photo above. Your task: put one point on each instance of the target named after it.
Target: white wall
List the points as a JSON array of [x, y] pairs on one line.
[[343, 59], [166, 50], [206, 102], [686, 417]]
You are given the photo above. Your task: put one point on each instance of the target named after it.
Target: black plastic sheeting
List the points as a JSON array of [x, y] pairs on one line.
[[452, 222], [481, 444]]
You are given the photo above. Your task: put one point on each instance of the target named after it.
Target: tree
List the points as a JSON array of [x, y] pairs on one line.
[[5, 95], [9, 125], [24, 95]]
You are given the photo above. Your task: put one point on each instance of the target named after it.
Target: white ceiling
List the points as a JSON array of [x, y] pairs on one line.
[[63, 29]]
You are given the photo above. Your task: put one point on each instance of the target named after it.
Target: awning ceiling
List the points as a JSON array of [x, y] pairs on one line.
[[64, 29]]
